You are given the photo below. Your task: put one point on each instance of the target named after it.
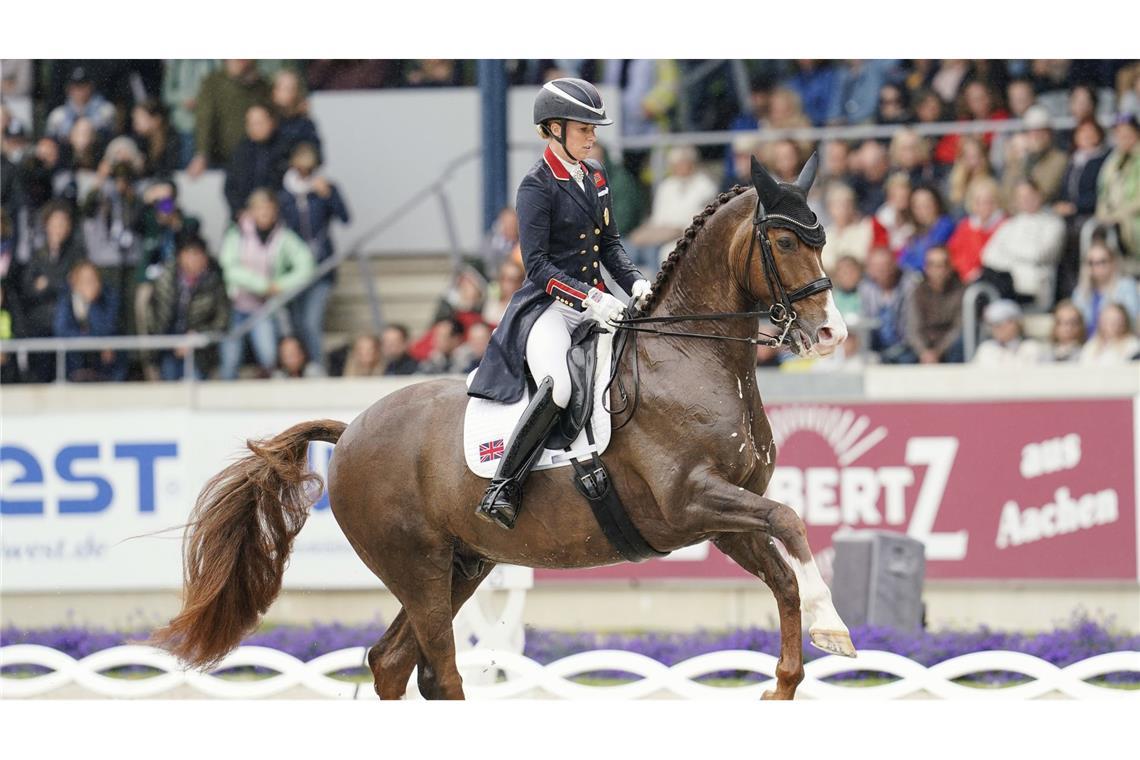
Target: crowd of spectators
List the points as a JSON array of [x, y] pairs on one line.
[[95, 242]]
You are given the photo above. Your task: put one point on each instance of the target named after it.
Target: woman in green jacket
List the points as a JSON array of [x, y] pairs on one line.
[[260, 258]]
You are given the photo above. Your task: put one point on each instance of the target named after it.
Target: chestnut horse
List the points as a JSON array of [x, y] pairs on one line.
[[691, 464]]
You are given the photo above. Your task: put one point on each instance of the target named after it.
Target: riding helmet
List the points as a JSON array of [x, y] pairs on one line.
[[571, 99]]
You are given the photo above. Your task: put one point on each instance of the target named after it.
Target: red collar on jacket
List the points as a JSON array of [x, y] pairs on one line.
[[557, 168]]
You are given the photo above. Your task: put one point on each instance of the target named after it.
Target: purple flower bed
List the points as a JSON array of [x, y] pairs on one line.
[[1080, 639]]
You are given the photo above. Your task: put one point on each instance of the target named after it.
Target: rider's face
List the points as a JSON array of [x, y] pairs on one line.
[[580, 138]]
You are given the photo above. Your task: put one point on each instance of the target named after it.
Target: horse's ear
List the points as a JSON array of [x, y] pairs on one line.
[[767, 188], [807, 174]]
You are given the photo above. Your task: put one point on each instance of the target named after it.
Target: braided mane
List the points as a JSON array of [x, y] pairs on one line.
[[684, 243]]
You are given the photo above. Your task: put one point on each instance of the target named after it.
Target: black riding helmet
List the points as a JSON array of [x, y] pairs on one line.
[[569, 99]]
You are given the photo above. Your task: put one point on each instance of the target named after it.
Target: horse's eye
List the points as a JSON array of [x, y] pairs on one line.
[[786, 244]]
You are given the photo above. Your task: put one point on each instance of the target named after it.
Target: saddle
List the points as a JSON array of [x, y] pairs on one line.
[[582, 361]]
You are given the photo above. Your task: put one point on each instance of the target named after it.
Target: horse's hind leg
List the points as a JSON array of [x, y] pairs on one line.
[[394, 656], [756, 554]]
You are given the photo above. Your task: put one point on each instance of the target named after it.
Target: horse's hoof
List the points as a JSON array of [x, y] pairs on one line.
[[833, 642]]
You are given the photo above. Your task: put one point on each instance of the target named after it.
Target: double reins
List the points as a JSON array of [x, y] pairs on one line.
[[780, 313]]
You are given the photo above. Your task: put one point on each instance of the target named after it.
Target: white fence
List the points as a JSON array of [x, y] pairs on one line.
[[523, 677]]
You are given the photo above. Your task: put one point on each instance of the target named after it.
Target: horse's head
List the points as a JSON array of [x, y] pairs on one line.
[[792, 278]]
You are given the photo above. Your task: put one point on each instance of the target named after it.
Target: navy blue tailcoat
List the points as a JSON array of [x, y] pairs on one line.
[[566, 236]]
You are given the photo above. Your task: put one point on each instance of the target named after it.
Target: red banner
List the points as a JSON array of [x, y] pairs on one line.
[[994, 490]]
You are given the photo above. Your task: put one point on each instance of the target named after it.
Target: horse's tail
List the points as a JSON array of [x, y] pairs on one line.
[[238, 541]]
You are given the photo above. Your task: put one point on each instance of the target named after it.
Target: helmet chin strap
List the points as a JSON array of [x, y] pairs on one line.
[[561, 138]]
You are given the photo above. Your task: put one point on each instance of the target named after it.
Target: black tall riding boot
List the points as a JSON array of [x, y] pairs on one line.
[[501, 502]]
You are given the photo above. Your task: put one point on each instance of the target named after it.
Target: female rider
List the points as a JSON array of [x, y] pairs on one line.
[[567, 232]]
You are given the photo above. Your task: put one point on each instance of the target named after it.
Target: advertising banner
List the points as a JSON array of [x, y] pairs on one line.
[[1011, 490]]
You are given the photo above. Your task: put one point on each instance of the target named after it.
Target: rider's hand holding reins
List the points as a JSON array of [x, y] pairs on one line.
[[602, 307], [641, 292]]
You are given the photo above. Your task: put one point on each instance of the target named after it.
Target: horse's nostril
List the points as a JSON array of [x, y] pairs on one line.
[[825, 335]]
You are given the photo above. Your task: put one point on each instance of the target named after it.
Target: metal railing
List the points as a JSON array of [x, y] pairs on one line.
[[970, 298]]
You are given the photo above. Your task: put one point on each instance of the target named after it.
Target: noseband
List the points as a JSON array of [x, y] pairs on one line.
[[780, 313]]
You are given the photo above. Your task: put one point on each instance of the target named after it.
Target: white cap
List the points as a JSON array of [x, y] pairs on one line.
[[1002, 311], [1037, 117]]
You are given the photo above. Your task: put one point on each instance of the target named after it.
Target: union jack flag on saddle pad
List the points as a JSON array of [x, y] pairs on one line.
[[491, 450]]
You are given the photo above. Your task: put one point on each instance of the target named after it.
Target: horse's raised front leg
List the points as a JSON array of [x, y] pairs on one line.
[[721, 507], [756, 553]]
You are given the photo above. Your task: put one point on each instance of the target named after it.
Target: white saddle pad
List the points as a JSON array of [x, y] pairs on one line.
[[487, 425]]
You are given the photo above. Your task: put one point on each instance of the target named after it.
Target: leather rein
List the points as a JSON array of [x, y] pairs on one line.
[[780, 313]]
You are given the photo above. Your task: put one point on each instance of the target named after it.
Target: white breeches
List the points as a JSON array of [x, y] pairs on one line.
[[546, 348]]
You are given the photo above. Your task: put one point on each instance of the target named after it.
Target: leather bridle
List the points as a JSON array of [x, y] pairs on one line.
[[780, 313]]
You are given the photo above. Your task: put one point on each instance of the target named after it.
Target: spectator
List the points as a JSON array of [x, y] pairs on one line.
[[181, 80], [309, 204], [189, 298], [258, 160], [1019, 97], [783, 159], [394, 351], [739, 169], [1006, 346], [628, 195], [932, 227], [364, 359], [464, 299], [478, 336], [785, 111], [260, 258], [1027, 247], [1032, 154], [948, 77], [87, 309], [814, 80], [848, 273], [445, 356], [112, 229], [648, 94], [975, 230], [972, 164], [869, 182], [1068, 336], [1102, 282], [73, 169], [892, 107], [221, 107], [44, 278], [929, 108], [863, 93], [82, 103], [910, 153], [1076, 197], [1118, 186], [156, 138], [882, 294], [893, 224], [976, 104], [292, 362], [292, 109], [934, 312], [500, 240], [510, 279], [849, 233], [1113, 342], [680, 196]]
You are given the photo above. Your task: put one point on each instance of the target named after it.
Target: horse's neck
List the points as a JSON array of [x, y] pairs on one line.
[[702, 283]]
